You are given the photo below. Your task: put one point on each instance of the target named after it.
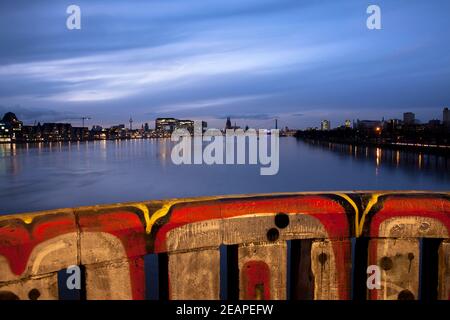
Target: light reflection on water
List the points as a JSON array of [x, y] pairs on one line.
[[48, 176], [412, 162]]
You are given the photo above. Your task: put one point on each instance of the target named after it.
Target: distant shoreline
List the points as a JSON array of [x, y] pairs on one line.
[[414, 147]]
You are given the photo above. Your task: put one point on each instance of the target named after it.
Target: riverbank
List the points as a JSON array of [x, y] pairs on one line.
[[401, 146]]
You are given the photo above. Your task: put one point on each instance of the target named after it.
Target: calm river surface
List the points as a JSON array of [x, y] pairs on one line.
[[58, 175]]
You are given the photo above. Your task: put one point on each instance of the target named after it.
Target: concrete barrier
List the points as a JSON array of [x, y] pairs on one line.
[[111, 241]]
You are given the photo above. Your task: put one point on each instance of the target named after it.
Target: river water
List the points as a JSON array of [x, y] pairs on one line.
[[59, 175]]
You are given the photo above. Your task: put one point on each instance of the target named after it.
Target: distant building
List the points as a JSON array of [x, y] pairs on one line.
[[228, 123], [235, 127], [186, 124], [13, 125], [393, 124], [98, 133], [204, 125], [30, 134], [348, 124], [165, 125], [409, 118], [146, 127], [117, 132], [369, 124], [446, 117], [56, 131], [80, 133], [434, 123], [5, 134], [325, 125]]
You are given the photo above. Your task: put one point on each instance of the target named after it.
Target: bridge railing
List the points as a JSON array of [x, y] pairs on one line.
[[270, 246]]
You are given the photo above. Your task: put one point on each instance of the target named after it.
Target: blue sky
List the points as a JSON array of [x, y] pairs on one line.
[[298, 60]]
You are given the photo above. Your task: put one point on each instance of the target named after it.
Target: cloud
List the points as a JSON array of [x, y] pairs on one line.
[[262, 116], [29, 115], [208, 103], [126, 73], [298, 59]]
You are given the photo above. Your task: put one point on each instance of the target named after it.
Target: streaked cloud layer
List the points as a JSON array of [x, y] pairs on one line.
[[209, 59]]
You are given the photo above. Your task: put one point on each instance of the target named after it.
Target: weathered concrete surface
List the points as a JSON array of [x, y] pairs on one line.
[[113, 281], [49, 256], [409, 215], [195, 235], [444, 271], [42, 287], [262, 271], [33, 247], [331, 268], [36, 244], [412, 227], [398, 260], [254, 228], [194, 275], [111, 241]]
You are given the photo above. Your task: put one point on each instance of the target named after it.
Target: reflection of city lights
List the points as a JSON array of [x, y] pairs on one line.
[[163, 151], [397, 158], [378, 156], [420, 160]]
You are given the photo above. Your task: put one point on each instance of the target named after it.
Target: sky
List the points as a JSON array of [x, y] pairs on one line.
[[299, 61]]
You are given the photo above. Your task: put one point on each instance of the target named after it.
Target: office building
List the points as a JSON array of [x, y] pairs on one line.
[[409, 118], [446, 117], [165, 125], [325, 125]]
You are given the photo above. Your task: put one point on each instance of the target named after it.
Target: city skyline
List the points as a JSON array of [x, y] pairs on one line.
[[406, 117], [301, 62]]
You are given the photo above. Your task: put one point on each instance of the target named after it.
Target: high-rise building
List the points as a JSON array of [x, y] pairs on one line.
[[186, 124], [146, 128], [446, 117], [348, 124], [165, 124], [409, 118], [325, 125]]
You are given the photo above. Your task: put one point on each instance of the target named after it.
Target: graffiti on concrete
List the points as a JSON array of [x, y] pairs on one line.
[[110, 242]]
